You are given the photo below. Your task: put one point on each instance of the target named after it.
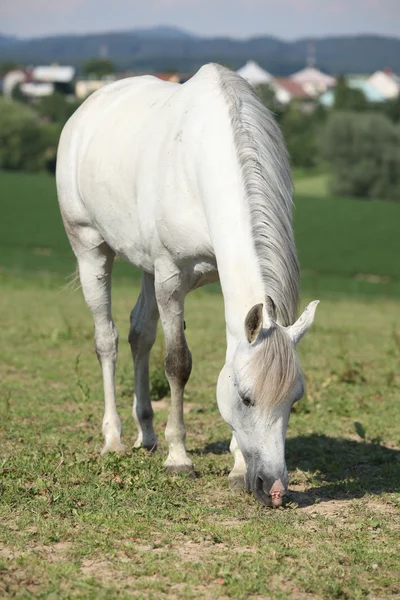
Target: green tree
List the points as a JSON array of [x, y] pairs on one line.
[[8, 65], [55, 108], [363, 152], [266, 94], [25, 143], [347, 98], [301, 132], [391, 108], [98, 67]]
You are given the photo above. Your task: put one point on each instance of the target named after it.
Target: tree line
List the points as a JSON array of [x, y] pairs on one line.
[[356, 141]]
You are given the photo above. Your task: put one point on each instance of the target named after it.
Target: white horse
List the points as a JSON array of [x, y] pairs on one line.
[[190, 183]]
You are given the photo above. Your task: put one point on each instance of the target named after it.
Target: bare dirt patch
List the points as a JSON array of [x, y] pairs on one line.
[[327, 507], [100, 569], [106, 572], [192, 551], [55, 553], [8, 553]]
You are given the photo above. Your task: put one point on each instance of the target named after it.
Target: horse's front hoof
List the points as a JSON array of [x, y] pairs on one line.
[[237, 483], [181, 470], [114, 446]]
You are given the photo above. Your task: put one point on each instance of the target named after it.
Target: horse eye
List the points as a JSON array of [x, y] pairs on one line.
[[247, 401]]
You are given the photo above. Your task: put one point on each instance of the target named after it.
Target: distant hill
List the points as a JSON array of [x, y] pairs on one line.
[[163, 32], [161, 48], [7, 40]]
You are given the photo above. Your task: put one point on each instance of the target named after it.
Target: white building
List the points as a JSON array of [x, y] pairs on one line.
[[32, 89], [53, 74], [11, 80], [286, 90], [40, 81], [386, 82], [254, 74], [314, 82]]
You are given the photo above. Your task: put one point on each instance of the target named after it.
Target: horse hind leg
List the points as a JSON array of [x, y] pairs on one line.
[[95, 262], [142, 335]]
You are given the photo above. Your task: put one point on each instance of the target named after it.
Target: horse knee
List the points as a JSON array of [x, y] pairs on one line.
[[144, 412], [178, 363], [106, 340], [141, 338]]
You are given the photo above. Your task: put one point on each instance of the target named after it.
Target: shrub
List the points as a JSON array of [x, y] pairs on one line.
[[363, 152], [159, 386], [56, 108], [98, 67], [301, 130], [25, 144], [347, 98]]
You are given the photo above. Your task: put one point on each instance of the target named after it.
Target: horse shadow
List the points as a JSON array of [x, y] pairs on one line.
[[324, 468]]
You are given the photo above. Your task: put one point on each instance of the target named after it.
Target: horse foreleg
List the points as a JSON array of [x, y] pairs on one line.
[[170, 294], [238, 473]]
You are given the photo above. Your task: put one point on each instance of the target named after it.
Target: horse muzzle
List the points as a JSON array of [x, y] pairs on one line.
[[264, 492]]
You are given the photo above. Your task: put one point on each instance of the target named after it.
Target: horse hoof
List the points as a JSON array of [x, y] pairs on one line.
[[153, 447], [237, 483], [116, 447], [181, 470]]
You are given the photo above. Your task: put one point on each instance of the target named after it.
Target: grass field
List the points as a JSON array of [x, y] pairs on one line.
[[73, 524], [345, 245]]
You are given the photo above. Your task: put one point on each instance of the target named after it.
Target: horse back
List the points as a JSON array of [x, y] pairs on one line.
[[139, 159]]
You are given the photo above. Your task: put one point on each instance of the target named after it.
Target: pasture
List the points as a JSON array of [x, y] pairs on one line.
[[77, 525]]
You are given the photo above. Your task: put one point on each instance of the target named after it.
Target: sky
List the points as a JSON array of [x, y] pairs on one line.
[[287, 19]]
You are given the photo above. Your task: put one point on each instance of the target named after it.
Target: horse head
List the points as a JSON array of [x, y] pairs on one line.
[[256, 393]]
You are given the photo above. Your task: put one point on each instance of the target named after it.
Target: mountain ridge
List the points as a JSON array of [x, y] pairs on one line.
[[165, 47]]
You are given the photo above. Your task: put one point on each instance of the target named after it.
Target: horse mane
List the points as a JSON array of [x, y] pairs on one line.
[[276, 367], [264, 162]]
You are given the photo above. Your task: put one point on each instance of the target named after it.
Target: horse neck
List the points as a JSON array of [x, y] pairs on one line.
[[227, 211], [242, 288], [238, 267]]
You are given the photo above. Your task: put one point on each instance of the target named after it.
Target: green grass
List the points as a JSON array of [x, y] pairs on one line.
[[308, 183], [345, 245], [32, 236], [75, 525]]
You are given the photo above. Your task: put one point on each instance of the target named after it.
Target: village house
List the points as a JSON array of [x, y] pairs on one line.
[[254, 74], [286, 90], [314, 81], [37, 82], [386, 82], [356, 82]]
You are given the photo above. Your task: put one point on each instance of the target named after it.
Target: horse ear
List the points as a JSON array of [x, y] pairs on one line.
[[253, 322], [303, 323]]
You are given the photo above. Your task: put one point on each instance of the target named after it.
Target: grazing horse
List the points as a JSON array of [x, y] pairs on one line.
[[191, 183]]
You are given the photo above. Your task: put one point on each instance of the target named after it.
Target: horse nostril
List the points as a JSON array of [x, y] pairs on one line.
[[259, 484]]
